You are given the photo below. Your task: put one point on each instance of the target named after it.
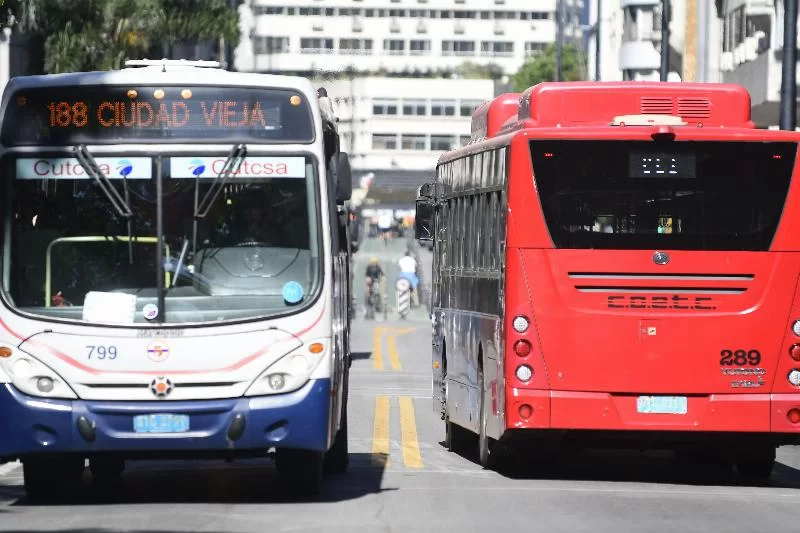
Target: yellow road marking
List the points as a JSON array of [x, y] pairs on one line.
[[377, 354], [408, 431], [380, 434], [391, 342]]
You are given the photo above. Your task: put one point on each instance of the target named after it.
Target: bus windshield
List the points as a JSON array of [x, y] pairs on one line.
[[74, 254]]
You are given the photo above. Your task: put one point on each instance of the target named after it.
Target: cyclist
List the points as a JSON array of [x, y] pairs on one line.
[[408, 270], [374, 274]]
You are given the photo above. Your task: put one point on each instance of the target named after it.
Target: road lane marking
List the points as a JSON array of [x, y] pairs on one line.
[[408, 431], [380, 432], [391, 343], [377, 354]]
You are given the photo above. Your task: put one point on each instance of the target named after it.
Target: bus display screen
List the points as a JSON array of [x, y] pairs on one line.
[[111, 114], [662, 165]]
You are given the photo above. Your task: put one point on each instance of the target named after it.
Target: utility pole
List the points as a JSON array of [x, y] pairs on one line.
[[597, 26], [665, 5], [559, 37], [789, 81]]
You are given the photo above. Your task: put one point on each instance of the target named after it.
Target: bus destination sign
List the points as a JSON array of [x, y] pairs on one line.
[[103, 114]]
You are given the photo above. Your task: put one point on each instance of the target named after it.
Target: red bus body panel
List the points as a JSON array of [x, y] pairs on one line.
[[597, 342]]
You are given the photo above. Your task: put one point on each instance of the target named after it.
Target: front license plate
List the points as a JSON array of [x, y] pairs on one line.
[[161, 423], [671, 405]]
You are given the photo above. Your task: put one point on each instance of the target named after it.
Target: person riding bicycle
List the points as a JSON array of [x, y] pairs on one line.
[[408, 270], [374, 274]]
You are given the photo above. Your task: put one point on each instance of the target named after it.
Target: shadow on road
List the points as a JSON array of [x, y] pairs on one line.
[[660, 467], [252, 481]]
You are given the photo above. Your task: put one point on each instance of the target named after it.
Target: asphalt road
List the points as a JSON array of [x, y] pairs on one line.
[[403, 479]]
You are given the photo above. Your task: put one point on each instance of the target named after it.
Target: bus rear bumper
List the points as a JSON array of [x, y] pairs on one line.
[[750, 413], [33, 426]]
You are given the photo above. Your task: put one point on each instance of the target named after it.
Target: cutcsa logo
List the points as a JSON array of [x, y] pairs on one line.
[[197, 167], [124, 168]]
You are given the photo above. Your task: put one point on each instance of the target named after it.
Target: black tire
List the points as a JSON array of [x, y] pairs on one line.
[[758, 466], [484, 443], [46, 481], [301, 470], [337, 459]]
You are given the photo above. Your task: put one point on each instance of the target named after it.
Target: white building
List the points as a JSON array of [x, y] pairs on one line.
[[630, 43], [396, 36], [404, 123], [752, 52]]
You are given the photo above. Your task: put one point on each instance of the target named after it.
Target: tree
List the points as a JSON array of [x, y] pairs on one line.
[[83, 35], [542, 67]]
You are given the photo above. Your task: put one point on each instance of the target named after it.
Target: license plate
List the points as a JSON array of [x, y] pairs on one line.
[[670, 405], [161, 423]]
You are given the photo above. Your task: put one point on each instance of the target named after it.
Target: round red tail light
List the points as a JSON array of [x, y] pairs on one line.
[[794, 351], [525, 410], [794, 416], [522, 348]]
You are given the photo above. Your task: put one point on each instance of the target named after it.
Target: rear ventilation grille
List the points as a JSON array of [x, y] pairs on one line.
[[694, 107], [656, 106]]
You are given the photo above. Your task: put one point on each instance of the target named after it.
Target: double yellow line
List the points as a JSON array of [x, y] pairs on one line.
[[412, 458], [391, 346]]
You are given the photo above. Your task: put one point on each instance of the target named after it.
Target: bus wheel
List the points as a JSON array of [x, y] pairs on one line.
[[338, 458], [301, 470], [757, 467], [484, 442], [47, 480]]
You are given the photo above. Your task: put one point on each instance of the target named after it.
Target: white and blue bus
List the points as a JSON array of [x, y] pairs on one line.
[[175, 273]]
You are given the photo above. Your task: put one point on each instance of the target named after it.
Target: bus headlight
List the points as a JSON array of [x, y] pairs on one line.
[[32, 377], [291, 371]]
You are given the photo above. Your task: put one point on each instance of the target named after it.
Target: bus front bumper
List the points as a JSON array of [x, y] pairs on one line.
[[33, 426]]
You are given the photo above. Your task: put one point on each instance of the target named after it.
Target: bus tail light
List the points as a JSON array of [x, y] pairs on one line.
[[794, 416], [794, 377], [522, 348], [521, 324], [794, 352], [524, 373], [796, 327], [525, 411]]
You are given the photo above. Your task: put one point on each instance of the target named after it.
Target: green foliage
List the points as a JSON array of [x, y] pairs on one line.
[[83, 35], [542, 67], [474, 71]]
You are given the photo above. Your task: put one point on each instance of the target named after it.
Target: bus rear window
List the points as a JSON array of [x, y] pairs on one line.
[[646, 195]]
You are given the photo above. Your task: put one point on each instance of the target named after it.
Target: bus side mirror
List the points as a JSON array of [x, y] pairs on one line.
[[343, 177], [423, 221]]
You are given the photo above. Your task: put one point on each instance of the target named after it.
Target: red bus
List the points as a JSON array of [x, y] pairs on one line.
[[618, 262]]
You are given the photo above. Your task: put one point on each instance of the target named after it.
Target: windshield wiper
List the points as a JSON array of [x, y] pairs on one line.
[[122, 205], [92, 169], [231, 166]]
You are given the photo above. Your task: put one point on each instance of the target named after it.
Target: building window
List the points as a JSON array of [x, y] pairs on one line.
[[271, 45], [415, 107], [458, 48], [419, 47], [532, 49], [355, 46], [313, 11], [497, 48], [394, 47], [468, 107], [442, 143], [384, 106], [316, 45], [384, 141], [466, 14], [268, 10], [412, 141], [446, 108]]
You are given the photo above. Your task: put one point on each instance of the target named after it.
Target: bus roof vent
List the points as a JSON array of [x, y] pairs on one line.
[[655, 105], [164, 63], [694, 107], [648, 120]]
